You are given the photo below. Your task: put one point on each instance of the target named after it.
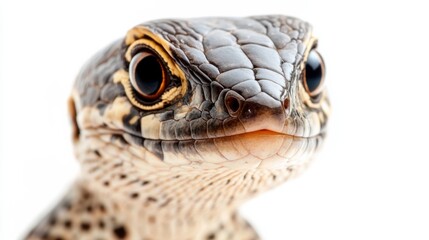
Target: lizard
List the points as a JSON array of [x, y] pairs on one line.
[[182, 120]]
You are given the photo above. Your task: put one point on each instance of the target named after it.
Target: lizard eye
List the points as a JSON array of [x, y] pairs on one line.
[[148, 75], [314, 73], [154, 79]]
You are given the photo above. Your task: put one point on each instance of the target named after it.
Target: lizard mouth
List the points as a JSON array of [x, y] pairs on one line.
[[263, 149], [246, 135]]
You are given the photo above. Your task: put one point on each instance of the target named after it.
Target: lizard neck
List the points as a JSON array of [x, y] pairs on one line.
[[179, 205], [159, 202]]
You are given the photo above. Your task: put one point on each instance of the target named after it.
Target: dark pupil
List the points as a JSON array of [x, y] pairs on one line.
[[149, 75], [313, 71]]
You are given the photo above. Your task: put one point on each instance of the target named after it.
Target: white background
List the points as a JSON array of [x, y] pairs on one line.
[[370, 181]]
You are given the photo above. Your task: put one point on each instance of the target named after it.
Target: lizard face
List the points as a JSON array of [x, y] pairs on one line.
[[203, 94]]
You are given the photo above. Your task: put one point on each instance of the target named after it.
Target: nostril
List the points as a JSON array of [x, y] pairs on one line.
[[286, 103], [286, 106], [233, 103]]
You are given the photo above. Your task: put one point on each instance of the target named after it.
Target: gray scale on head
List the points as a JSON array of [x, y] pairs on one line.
[[249, 57], [254, 59], [260, 53]]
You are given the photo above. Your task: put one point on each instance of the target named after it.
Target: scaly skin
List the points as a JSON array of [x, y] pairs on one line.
[[179, 167]]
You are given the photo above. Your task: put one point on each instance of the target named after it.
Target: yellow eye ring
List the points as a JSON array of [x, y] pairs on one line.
[[165, 81]]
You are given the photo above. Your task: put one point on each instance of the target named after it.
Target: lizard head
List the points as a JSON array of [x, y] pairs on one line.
[[211, 95]]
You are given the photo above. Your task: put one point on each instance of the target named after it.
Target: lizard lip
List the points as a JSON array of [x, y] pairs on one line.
[[262, 132], [262, 149]]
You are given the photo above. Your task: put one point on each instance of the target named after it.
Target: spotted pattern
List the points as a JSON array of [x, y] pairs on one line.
[[241, 124], [82, 215]]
